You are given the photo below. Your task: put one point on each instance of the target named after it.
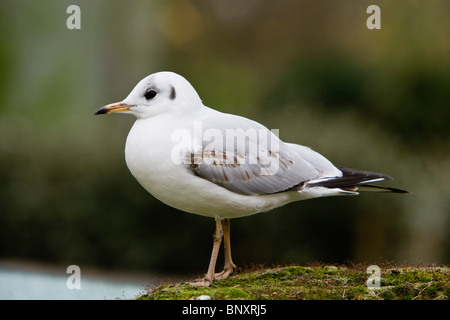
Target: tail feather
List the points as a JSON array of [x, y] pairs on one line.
[[357, 180]]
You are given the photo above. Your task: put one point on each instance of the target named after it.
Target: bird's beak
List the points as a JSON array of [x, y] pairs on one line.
[[114, 107]]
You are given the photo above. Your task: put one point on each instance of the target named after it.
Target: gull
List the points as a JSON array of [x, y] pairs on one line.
[[202, 161]]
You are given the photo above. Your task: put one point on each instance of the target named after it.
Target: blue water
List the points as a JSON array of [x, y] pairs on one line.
[[30, 285]]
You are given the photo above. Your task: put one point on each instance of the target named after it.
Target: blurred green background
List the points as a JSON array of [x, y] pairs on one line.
[[371, 99]]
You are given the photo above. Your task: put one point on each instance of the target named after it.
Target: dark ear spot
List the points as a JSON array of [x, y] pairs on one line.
[[173, 94]]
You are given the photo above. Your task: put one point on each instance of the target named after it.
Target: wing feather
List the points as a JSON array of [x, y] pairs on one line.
[[257, 162]]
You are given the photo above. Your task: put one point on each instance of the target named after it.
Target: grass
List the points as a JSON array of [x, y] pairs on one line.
[[317, 283]]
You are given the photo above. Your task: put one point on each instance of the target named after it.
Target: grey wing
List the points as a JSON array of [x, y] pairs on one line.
[[248, 172]]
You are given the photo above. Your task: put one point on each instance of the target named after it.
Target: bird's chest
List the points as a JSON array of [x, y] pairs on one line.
[[153, 155]]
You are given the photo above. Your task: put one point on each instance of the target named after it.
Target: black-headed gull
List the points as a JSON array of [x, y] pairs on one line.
[[219, 165]]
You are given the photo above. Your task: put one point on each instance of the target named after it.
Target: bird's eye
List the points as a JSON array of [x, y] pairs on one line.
[[150, 94]]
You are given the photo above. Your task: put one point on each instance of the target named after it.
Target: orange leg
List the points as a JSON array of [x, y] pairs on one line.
[[229, 266], [222, 231]]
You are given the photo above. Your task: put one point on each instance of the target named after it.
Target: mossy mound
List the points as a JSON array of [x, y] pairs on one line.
[[317, 283]]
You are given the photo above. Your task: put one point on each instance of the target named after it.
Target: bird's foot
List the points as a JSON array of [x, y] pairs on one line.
[[227, 270], [207, 280], [204, 282]]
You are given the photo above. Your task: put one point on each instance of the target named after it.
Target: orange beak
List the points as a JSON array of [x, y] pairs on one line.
[[114, 107]]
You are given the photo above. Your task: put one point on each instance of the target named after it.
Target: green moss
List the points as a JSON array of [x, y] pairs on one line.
[[317, 283]]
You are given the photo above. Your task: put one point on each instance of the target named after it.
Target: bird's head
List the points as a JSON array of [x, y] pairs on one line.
[[157, 93]]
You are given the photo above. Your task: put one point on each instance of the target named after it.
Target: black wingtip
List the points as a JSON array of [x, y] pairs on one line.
[[362, 175], [382, 189], [360, 179]]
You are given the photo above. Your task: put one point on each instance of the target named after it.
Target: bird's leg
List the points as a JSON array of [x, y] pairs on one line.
[[210, 276], [229, 266]]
